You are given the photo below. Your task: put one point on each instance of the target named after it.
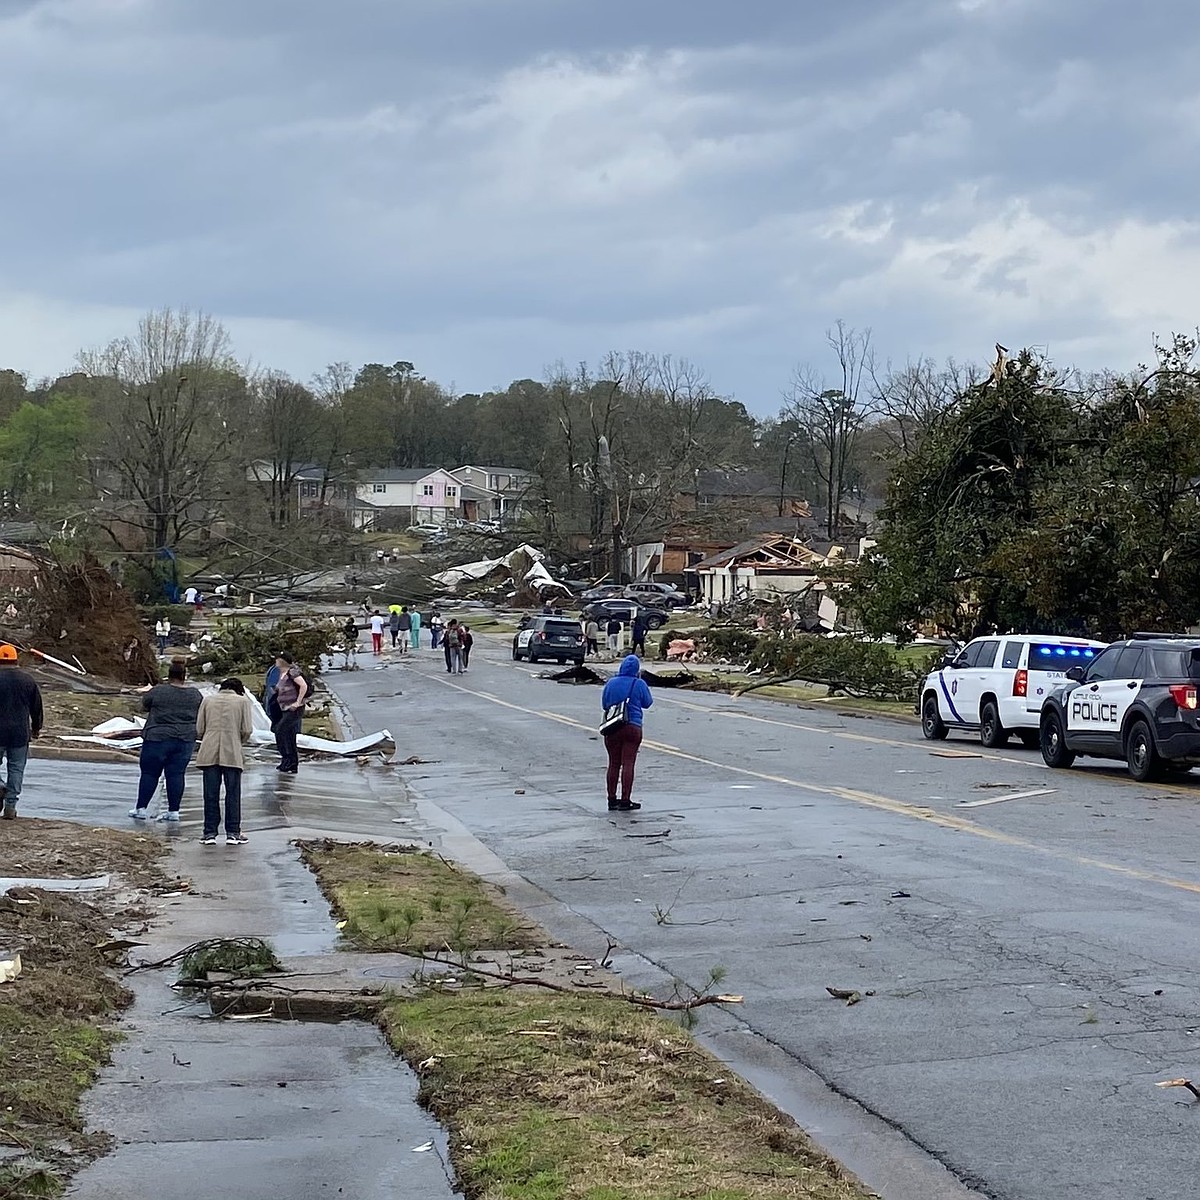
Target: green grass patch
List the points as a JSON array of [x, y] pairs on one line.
[[566, 1098], [402, 898]]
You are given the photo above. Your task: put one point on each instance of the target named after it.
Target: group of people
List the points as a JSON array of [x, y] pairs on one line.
[[452, 637], [177, 716], [638, 630]]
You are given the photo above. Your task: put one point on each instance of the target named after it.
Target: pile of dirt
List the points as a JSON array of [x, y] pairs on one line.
[[78, 609]]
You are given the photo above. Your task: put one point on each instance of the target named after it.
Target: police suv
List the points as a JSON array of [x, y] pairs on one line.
[[997, 685], [1136, 701]]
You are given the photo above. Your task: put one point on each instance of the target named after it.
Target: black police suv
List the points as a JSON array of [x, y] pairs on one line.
[[1136, 700], [559, 638]]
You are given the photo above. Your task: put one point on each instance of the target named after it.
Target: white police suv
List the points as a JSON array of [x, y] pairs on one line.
[[997, 685], [1136, 701]]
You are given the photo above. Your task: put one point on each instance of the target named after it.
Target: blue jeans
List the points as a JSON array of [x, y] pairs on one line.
[[168, 758], [16, 757]]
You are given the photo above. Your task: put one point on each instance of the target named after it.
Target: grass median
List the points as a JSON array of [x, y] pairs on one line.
[[559, 1094]]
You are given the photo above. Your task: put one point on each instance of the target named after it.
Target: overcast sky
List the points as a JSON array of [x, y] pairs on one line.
[[485, 186]]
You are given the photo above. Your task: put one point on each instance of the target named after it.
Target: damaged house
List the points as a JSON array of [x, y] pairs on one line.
[[772, 566]]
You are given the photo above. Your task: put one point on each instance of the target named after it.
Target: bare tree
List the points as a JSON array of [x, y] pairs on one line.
[[910, 399], [830, 414], [289, 426], [166, 397]]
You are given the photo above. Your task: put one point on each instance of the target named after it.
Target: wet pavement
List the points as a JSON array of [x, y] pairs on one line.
[[250, 1109], [1028, 938]]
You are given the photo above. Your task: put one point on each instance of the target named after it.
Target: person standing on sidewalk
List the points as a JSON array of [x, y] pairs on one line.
[[168, 740], [376, 632], [623, 741], [613, 629], [290, 692], [223, 724], [162, 631], [591, 632], [20, 722]]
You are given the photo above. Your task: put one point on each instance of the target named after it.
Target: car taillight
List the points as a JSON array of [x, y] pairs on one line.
[[1184, 694], [541, 637], [1021, 683]]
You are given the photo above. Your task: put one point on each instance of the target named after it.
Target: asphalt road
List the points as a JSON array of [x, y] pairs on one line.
[[1028, 938]]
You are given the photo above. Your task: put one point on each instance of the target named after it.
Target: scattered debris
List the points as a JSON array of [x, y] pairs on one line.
[[850, 995], [576, 674], [673, 680], [10, 966], [1183, 1083]]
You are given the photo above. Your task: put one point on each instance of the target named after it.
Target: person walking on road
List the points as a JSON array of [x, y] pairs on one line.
[[394, 625], [20, 722], [405, 619], [623, 740], [376, 633], [349, 640], [162, 631], [168, 740], [416, 629], [223, 724], [452, 639], [467, 640], [290, 693], [591, 633], [641, 627]]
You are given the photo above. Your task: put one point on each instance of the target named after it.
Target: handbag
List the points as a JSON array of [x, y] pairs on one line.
[[616, 715]]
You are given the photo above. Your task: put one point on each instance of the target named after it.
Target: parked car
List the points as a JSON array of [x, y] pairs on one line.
[[997, 685], [625, 611], [606, 591], [559, 638], [426, 529], [1136, 701], [658, 595]]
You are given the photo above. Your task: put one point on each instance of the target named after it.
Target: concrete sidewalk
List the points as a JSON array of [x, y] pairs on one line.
[[261, 1108]]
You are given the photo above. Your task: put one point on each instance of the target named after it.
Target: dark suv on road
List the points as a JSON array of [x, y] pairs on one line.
[[1135, 701], [559, 638]]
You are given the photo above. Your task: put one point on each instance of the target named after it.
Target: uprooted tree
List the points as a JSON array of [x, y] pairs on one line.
[[78, 610]]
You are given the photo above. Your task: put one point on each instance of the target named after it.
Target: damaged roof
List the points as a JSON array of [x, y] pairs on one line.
[[771, 553]]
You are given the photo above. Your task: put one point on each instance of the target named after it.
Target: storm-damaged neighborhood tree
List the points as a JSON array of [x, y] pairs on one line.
[[1041, 502], [165, 400]]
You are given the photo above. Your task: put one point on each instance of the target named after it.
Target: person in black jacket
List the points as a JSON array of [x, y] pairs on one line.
[[20, 721]]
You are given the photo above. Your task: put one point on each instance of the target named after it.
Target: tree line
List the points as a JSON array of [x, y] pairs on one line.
[[1013, 494]]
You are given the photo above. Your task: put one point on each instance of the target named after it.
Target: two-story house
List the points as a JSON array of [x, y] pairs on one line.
[[396, 497], [493, 493]]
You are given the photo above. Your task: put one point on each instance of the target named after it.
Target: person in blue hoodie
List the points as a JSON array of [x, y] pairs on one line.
[[623, 742]]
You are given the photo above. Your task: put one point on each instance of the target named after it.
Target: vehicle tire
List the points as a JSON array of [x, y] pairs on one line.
[[1140, 755], [516, 655], [991, 732], [655, 622], [932, 725], [1030, 739], [1054, 742]]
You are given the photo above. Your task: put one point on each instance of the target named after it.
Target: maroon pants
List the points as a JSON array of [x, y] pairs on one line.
[[622, 745]]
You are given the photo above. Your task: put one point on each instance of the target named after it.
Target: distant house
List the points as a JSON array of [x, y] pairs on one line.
[[396, 497], [493, 493], [311, 489], [673, 557]]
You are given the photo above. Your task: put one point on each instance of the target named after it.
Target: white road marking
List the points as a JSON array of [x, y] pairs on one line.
[[1002, 799]]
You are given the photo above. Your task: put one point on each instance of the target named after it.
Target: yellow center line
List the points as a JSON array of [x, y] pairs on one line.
[[868, 799]]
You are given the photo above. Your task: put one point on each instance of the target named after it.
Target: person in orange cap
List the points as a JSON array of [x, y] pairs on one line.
[[20, 722]]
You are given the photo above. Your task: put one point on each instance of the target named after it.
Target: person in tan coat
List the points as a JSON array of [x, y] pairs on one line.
[[223, 724]]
